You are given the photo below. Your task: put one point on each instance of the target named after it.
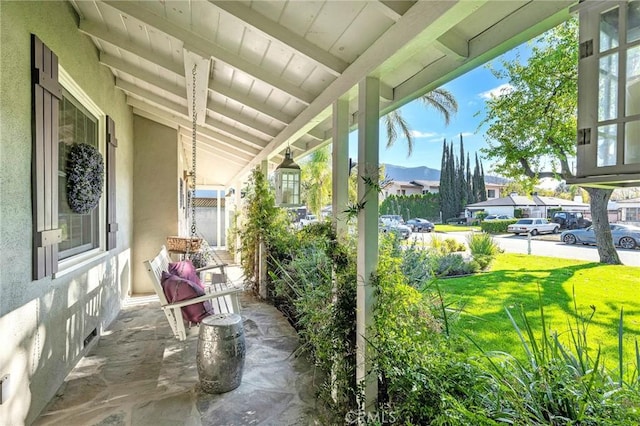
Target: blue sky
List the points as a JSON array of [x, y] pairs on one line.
[[470, 90]]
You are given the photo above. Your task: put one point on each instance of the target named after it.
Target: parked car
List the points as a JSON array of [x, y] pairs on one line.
[[570, 220], [420, 225], [625, 236], [533, 226], [391, 219], [402, 230], [310, 218], [498, 217]]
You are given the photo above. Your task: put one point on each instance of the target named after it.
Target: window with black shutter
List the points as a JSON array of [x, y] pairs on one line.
[[112, 144], [46, 96]]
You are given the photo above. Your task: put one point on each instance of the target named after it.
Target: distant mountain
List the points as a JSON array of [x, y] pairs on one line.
[[407, 174]]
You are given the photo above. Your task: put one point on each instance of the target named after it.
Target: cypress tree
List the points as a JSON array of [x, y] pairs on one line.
[[444, 182], [461, 183], [454, 198], [483, 189], [476, 181], [470, 196]]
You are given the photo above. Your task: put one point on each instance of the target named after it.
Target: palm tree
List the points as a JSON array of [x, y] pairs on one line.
[[440, 99], [316, 180]]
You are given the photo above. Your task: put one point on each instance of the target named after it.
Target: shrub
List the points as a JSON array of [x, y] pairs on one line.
[[421, 376], [450, 264], [496, 226], [323, 310], [483, 248], [448, 245]]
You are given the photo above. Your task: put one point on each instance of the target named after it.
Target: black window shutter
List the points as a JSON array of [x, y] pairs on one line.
[[112, 144], [44, 169]]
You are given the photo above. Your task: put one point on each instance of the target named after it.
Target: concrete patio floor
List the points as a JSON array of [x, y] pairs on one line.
[[139, 374]]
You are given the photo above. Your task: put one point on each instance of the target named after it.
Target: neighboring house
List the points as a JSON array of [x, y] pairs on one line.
[[401, 188], [506, 205], [429, 187], [549, 203], [536, 207], [629, 210]]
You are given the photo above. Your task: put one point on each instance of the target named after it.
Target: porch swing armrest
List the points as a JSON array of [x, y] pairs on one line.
[[208, 267], [206, 297]]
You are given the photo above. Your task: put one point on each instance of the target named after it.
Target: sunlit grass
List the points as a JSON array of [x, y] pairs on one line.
[[521, 282], [455, 228]]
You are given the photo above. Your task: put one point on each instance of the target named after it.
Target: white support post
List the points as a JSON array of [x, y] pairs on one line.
[[226, 218], [368, 166], [262, 257], [340, 166], [218, 221]]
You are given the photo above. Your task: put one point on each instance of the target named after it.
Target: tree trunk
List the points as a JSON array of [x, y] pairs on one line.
[[599, 199]]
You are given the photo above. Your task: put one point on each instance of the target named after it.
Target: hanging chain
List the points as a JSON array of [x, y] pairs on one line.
[[193, 157]]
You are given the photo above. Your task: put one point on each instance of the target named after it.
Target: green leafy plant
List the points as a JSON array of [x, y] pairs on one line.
[[315, 286], [262, 222], [483, 248], [558, 384]]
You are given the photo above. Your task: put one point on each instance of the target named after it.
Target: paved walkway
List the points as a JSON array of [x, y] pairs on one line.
[[138, 374]]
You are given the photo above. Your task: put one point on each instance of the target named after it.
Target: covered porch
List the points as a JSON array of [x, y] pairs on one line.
[[138, 373], [236, 84]]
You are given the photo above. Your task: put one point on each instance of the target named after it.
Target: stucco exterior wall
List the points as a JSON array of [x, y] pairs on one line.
[[156, 192], [44, 323]]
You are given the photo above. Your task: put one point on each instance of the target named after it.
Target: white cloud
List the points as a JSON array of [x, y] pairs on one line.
[[419, 134], [497, 91], [467, 134]]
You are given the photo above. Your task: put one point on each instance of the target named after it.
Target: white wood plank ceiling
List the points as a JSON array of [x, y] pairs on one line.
[[269, 71]]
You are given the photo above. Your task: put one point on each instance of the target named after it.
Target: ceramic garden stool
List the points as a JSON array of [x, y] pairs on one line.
[[221, 353]]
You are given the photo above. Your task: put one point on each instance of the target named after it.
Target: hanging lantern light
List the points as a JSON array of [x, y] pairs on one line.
[[287, 182]]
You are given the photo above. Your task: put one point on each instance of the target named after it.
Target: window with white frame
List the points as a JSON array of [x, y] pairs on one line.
[[632, 214], [80, 232]]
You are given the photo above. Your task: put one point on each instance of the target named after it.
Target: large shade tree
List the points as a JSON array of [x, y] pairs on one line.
[[532, 124]]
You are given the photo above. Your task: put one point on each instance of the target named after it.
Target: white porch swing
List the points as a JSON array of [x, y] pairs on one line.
[[217, 291]]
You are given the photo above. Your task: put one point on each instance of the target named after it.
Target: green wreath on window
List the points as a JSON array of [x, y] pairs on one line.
[[85, 173]]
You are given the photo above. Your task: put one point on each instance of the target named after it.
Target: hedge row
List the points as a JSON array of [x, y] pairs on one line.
[[496, 226]]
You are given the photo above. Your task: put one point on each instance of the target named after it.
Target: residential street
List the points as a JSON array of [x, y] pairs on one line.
[[543, 247]]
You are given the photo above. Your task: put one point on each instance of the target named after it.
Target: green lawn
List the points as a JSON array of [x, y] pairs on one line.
[[517, 281], [455, 228]]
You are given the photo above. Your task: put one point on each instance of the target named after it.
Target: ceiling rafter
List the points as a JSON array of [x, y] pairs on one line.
[[282, 35], [237, 133], [207, 48], [120, 65], [207, 144], [196, 71], [99, 32], [241, 119], [412, 24], [394, 9], [164, 103], [180, 120], [247, 101]]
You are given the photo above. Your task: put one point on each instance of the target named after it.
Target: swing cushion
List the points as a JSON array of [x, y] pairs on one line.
[[185, 269], [178, 289]]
